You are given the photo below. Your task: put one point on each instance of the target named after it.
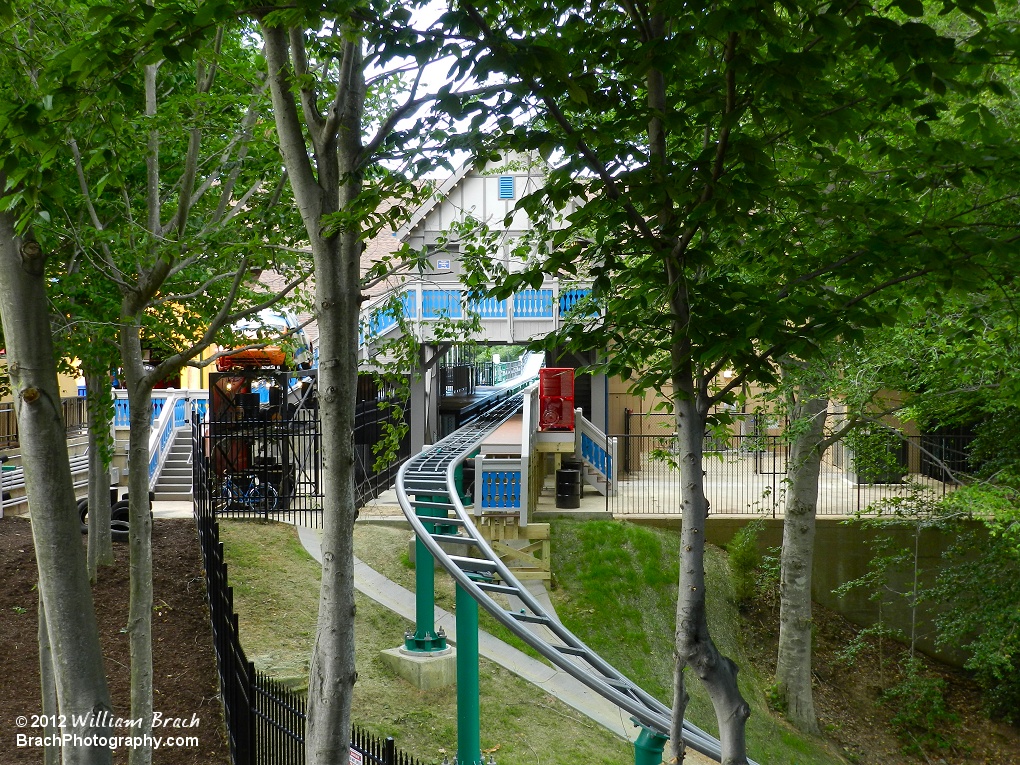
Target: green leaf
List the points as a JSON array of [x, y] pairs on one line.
[[910, 7]]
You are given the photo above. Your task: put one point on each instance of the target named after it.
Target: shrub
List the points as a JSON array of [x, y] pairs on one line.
[[745, 561], [922, 720]]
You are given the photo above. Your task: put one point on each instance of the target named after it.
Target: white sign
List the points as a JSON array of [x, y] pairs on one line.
[[443, 265], [357, 758]]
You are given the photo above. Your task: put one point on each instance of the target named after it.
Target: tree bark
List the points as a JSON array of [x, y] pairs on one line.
[[140, 536], [694, 645], [48, 688], [100, 549], [793, 664], [333, 183], [81, 689]]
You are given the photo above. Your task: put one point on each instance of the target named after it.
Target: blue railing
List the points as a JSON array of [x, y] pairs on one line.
[[121, 413], [489, 308], [596, 455], [570, 298], [180, 413], [501, 488], [534, 304], [436, 303], [439, 303]]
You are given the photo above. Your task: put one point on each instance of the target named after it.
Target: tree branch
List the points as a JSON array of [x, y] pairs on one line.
[[116, 274], [292, 140]]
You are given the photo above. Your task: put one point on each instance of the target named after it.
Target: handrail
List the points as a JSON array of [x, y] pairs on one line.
[[431, 475], [173, 416], [423, 302], [596, 449]]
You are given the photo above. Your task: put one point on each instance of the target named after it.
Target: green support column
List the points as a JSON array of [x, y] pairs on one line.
[[425, 638], [648, 746], [469, 723]]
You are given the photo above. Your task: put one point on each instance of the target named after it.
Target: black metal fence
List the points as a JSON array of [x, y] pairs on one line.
[[746, 464], [457, 379], [265, 720], [261, 444], [382, 439], [75, 420]]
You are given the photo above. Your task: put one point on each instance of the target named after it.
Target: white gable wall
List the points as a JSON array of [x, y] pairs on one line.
[[477, 196]]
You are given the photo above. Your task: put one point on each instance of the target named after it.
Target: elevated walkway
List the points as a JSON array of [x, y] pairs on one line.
[[419, 306]]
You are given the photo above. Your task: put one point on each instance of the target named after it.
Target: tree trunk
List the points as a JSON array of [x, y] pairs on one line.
[[47, 688], [694, 645], [334, 183], [100, 550], [793, 665], [139, 538], [79, 677]]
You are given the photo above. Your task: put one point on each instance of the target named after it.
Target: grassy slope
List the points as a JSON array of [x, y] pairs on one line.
[[616, 589], [276, 597]]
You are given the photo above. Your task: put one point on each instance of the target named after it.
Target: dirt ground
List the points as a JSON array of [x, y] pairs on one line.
[[184, 670], [847, 698]]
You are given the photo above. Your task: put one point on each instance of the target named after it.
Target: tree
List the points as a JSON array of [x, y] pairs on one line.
[[338, 134], [732, 214], [73, 680], [172, 230], [66, 607]]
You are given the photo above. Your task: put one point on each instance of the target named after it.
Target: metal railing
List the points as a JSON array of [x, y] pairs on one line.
[[265, 720], [73, 409], [745, 474], [491, 373]]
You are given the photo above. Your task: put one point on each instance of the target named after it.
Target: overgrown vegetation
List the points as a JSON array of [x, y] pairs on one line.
[[968, 598], [922, 720]]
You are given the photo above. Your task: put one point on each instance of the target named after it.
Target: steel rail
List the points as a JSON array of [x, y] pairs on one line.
[[430, 475]]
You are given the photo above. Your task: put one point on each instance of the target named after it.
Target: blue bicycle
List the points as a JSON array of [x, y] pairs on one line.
[[255, 494]]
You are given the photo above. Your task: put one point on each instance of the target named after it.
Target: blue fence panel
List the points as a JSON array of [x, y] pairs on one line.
[[569, 299], [157, 407], [596, 455], [180, 413], [534, 304], [121, 413], [489, 308], [407, 300], [436, 303], [501, 488]]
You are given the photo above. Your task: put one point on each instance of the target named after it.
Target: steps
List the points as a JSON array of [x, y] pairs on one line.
[[595, 479], [174, 484]]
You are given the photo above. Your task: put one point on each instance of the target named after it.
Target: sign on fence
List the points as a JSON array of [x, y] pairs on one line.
[[357, 758]]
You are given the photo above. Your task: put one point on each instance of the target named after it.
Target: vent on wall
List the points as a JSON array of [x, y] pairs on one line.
[[506, 187]]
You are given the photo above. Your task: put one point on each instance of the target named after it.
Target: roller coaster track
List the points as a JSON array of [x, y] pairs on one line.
[[427, 482]]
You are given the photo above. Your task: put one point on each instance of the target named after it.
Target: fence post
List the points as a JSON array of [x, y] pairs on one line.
[[389, 751]]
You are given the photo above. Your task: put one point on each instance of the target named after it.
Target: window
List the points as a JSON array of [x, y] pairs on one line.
[[506, 187]]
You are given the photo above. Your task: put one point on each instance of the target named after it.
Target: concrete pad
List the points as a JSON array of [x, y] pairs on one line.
[[425, 671], [173, 509]]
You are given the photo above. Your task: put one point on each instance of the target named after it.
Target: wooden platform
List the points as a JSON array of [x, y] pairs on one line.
[[525, 549]]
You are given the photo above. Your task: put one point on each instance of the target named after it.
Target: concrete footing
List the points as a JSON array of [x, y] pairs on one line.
[[425, 671]]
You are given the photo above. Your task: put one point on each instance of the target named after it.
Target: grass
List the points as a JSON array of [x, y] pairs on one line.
[[617, 587], [275, 595], [385, 549]]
